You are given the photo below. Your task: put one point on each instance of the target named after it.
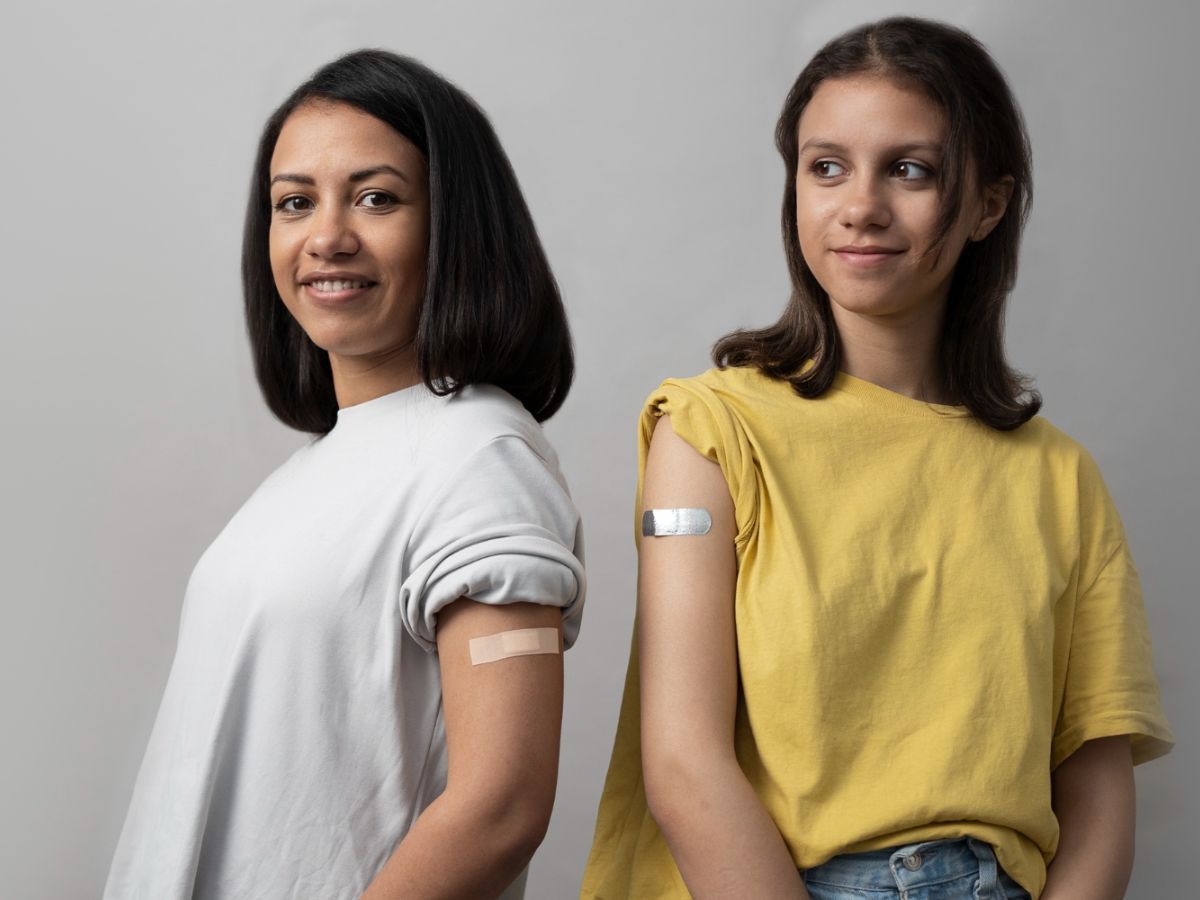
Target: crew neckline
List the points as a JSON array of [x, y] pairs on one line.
[[394, 400], [890, 400]]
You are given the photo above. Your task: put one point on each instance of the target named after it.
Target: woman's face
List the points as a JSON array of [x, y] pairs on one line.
[[867, 201], [349, 234]]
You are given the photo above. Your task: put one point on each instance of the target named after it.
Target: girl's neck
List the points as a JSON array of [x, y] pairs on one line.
[[899, 354]]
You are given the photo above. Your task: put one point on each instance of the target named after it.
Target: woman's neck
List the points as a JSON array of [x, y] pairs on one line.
[[359, 379]]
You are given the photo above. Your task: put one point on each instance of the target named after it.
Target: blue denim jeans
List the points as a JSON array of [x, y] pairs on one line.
[[959, 869]]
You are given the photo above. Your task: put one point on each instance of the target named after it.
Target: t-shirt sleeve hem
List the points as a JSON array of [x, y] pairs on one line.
[[1149, 737], [499, 570], [700, 417], [502, 530]]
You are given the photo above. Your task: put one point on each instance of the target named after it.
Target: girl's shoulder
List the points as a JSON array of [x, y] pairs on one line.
[[1057, 449], [740, 391]]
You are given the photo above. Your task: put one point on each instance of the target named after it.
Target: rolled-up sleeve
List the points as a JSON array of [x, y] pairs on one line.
[[502, 530]]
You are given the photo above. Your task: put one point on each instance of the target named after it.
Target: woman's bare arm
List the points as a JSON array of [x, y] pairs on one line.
[[1094, 802], [721, 837], [503, 721]]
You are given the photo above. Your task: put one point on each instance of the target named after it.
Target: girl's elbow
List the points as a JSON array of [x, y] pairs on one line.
[[675, 783]]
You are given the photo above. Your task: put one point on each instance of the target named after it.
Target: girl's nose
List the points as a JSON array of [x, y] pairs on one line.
[[865, 204]]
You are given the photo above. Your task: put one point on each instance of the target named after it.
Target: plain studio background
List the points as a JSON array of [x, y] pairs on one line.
[[642, 134]]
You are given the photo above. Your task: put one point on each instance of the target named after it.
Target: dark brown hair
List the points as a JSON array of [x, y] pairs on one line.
[[984, 130], [491, 313]]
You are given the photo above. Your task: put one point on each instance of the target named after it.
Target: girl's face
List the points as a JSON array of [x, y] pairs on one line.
[[349, 233], [867, 201]]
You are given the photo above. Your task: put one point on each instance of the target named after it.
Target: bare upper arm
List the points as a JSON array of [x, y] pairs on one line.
[[1101, 762], [503, 718], [687, 646]]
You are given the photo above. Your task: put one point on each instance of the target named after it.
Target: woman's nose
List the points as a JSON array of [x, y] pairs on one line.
[[331, 234], [865, 204]]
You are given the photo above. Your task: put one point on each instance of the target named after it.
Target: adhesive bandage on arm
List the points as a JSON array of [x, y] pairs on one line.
[[667, 522], [520, 642]]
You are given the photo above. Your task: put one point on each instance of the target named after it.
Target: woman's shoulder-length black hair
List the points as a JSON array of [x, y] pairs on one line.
[[491, 312], [984, 131]]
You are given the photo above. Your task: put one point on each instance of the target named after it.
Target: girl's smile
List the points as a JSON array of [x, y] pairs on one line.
[[866, 255]]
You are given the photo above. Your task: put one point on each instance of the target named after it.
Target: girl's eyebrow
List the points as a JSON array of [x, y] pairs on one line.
[[817, 143], [355, 177]]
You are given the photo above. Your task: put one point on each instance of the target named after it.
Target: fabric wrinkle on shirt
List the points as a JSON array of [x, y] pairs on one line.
[[300, 733]]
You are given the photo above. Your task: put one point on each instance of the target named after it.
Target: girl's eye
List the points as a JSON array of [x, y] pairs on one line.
[[912, 171], [827, 168], [377, 200], [293, 204]]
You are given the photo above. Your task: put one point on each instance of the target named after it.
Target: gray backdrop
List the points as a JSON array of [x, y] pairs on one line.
[[642, 135]]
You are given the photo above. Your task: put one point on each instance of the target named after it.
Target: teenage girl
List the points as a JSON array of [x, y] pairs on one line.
[[909, 657], [329, 730]]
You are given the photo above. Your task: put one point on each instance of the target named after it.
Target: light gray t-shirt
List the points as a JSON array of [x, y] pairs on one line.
[[301, 734]]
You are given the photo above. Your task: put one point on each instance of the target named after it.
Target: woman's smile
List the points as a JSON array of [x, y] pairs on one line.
[[335, 287]]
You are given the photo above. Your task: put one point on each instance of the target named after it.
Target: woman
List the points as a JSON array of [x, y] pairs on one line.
[[896, 646], [340, 720]]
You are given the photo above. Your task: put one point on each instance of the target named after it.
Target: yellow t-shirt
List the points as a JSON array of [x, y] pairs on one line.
[[931, 615]]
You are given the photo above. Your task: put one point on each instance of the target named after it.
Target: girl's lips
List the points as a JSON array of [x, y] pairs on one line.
[[865, 257]]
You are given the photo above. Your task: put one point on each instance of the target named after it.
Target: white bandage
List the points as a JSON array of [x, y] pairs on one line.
[[665, 522], [521, 642]]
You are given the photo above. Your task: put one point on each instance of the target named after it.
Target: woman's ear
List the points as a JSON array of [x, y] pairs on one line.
[[995, 201]]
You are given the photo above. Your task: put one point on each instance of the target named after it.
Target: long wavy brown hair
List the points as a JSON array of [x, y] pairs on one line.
[[986, 131]]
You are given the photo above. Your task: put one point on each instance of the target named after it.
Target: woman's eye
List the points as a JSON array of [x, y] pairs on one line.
[[912, 171], [377, 200], [827, 168], [293, 204]]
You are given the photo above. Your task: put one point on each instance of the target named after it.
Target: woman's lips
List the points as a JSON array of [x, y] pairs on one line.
[[336, 291]]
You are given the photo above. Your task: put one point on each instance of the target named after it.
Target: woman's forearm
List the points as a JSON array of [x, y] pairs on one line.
[[461, 847], [722, 839], [1094, 803]]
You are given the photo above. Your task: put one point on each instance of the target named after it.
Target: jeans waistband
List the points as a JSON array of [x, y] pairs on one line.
[[912, 866]]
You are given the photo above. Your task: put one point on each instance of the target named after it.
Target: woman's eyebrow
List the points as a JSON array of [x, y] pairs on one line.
[[364, 174], [297, 179], [355, 177]]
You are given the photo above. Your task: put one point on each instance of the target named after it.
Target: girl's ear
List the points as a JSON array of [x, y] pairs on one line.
[[995, 202]]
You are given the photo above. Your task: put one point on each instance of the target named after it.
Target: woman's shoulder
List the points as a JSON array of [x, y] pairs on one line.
[[482, 414]]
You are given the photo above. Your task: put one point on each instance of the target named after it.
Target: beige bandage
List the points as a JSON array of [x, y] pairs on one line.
[[521, 642]]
